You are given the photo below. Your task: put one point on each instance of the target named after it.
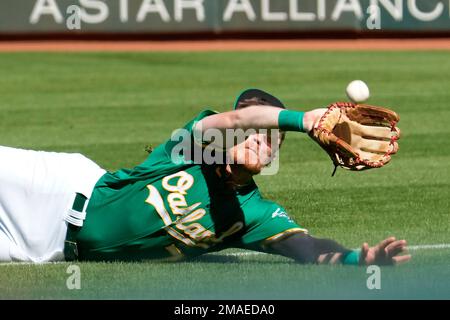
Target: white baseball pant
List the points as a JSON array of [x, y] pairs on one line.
[[37, 189]]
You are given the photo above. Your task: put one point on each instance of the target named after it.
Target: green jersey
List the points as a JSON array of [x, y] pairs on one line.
[[173, 209]]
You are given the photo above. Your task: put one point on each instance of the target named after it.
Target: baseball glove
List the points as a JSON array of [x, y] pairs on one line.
[[357, 136]]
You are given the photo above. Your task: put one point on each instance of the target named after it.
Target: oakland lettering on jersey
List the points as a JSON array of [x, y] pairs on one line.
[[186, 215]]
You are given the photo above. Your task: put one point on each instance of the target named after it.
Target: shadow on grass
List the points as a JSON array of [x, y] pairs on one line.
[[220, 258], [215, 258]]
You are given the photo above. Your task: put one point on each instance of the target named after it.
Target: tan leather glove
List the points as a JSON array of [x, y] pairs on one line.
[[357, 136]]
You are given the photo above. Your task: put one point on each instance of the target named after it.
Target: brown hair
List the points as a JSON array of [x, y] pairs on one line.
[[255, 101]]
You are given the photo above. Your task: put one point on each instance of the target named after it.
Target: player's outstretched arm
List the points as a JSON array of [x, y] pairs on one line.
[[261, 117], [307, 249]]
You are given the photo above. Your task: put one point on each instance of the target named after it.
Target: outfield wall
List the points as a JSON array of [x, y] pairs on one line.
[[216, 17]]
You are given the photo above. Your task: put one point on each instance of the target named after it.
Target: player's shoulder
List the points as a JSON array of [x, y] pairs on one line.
[[205, 113], [200, 116]]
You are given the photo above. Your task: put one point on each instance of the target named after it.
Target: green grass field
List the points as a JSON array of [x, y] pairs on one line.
[[109, 106]]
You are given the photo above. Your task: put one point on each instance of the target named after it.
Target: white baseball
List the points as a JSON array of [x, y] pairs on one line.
[[358, 91]]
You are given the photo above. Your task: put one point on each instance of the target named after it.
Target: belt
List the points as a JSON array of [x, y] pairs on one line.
[[75, 220]]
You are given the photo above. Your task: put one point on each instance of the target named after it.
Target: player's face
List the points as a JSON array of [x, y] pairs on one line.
[[257, 151]]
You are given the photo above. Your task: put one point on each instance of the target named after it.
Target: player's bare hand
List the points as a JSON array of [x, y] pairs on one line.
[[388, 252], [311, 118]]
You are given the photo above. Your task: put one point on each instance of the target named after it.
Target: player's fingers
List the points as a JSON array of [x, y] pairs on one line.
[[397, 251], [383, 244], [401, 259], [396, 248], [396, 244]]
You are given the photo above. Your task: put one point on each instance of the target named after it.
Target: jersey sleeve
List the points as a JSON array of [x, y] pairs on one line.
[[267, 222], [185, 136], [180, 148]]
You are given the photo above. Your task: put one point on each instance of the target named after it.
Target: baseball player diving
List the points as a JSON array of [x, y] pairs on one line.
[[176, 205]]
